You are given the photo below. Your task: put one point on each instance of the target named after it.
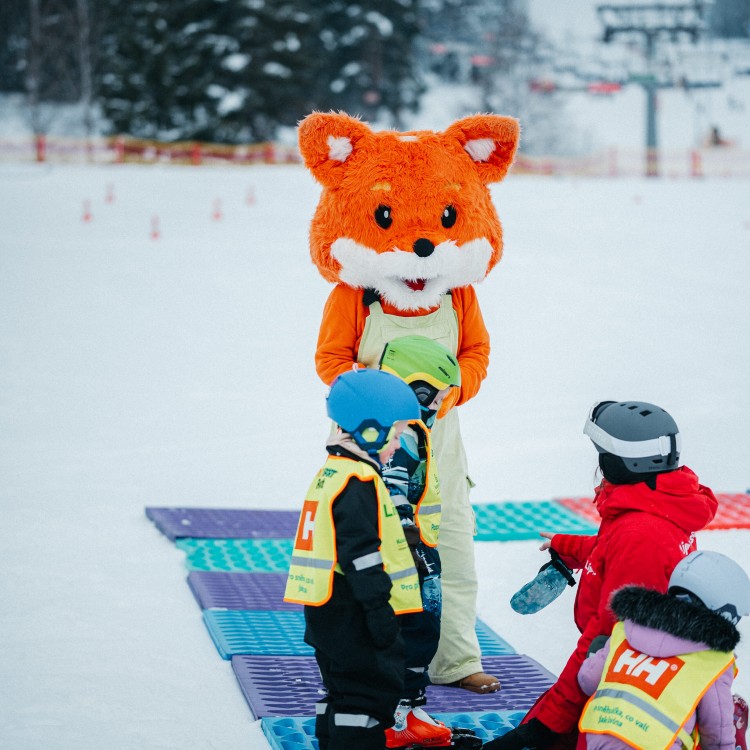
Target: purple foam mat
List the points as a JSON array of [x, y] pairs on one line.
[[224, 523], [259, 591], [290, 686]]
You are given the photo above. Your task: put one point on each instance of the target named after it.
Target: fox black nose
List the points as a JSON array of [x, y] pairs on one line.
[[423, 247]]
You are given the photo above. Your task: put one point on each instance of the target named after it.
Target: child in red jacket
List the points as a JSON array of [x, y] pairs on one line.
[[651, 509]]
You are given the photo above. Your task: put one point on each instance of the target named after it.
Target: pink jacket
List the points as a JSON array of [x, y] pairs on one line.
[[662, 626]]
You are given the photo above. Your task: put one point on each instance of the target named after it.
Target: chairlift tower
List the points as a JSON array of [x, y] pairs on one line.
[[652, 23]]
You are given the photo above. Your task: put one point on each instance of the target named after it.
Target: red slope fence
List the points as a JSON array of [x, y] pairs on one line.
[[724, 161]]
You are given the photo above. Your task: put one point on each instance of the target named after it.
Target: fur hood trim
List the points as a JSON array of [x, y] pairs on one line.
[[691, 622]]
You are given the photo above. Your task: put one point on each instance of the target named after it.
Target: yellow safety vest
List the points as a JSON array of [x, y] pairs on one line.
[[428, 508], [314, 558], [645, 700]]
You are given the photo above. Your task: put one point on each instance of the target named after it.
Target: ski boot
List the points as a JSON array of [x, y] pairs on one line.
[[416, 729]]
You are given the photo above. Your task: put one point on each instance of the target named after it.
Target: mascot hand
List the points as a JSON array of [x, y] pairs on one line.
[[449, 402]]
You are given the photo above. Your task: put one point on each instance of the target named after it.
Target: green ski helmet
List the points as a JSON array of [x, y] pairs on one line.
[[426, 365]]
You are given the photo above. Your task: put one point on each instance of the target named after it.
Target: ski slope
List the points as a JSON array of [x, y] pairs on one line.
[[178, 370]]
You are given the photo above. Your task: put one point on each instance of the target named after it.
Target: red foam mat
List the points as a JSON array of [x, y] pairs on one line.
[[733, 511]]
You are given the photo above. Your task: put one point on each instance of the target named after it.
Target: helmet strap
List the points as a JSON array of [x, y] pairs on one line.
[[672, 457]]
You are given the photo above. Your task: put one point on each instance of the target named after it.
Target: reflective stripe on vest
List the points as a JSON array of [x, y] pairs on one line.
[[429, 507], [645, 700], [314, 560]]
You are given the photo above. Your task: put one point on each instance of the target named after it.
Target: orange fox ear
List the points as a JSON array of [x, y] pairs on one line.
[[490, 140], [325, 142]]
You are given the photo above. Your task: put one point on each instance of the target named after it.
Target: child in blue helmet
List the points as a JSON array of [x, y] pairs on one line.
[[351, 566], [411, 476]]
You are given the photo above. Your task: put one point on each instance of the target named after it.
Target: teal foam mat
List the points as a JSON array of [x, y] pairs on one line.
[[510, 521], [233, 555], [298, 732]]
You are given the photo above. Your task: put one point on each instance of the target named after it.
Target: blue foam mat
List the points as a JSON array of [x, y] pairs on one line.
[[239, 631], [281, 633], [298, 732]]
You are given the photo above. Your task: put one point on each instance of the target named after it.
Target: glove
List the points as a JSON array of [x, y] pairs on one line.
[[411, 533], [548, 584], [382, 625], [533, 735], [597, 644], [449, 402]]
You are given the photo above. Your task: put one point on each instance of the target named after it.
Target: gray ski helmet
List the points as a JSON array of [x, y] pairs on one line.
[[643, 435], [716, 580]]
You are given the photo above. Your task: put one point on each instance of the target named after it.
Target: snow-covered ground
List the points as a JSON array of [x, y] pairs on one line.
[[179, 371]]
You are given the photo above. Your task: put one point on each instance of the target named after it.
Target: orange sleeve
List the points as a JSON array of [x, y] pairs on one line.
[[473, 342], [340, 332]]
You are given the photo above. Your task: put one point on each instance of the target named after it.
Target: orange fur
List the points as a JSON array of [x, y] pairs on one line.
[[417, 175]]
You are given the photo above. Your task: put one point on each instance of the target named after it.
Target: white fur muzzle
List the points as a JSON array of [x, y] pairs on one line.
[[448, 267]]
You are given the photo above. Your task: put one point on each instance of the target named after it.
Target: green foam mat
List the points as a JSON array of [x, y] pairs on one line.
[[231, 555], [298, 732], [510, 521]]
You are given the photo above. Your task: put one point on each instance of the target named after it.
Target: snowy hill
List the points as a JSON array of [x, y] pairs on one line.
[[179, 371]]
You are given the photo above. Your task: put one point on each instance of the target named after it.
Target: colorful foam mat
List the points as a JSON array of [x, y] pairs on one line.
[[733, 511], [237, 631], [290, 685], [248, 555], [217, 590], [497, 522], [297, 732], [224, 523]]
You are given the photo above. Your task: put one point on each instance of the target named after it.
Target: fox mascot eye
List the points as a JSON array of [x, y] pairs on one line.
[[383, 216], [449, 216]]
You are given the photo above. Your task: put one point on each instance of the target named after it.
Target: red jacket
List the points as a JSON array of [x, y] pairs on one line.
[[644, 533]]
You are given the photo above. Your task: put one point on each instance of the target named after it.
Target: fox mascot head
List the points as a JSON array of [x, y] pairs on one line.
[[406, 214]]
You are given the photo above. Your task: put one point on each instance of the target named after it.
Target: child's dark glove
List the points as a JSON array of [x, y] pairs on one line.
[[383, 625], [411, 533], [533, 735]]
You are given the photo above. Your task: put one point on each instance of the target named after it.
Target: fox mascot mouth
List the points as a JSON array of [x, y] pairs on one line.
[[408, 215], [406, 280]]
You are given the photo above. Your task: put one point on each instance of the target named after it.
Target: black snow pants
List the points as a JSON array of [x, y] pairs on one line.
[[363, 683]]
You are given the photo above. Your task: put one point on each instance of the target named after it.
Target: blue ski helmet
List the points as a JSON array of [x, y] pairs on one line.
[[366, 403]]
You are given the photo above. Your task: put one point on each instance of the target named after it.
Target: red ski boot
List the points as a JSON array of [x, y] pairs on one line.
[[415, 727]]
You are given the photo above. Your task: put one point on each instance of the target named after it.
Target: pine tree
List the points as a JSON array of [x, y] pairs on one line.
[[14, 41], [155, 68], [370, 49], [730, 18]]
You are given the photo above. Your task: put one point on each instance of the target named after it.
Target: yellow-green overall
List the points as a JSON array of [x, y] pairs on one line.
[[458, 653]]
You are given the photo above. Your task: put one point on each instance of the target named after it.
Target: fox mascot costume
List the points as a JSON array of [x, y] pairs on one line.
[[405, 225]]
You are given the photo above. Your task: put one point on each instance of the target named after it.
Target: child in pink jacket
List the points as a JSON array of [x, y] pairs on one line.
[[668, 667]]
